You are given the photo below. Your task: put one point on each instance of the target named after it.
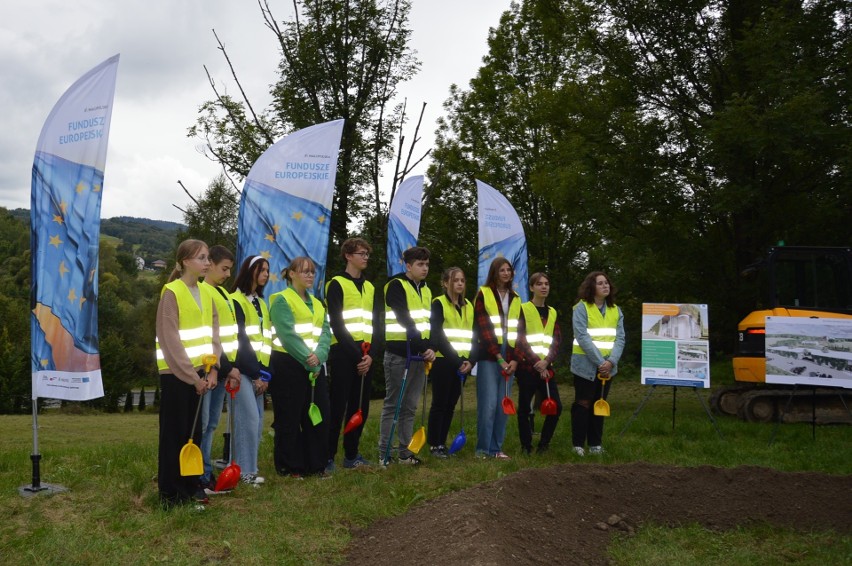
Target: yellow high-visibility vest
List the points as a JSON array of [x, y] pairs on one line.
[[195, 325], [357, 308], [418, 308], [601, 328], [539, 336], [258, 328], [227, 321], [458, 327], [512, 317], [308, 325]]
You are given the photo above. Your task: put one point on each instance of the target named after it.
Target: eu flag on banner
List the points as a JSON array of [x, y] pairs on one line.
[[404, 221], [68, 174], [501, 234], [285, 210]]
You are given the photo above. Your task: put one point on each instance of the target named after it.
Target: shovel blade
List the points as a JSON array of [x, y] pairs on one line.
[[354, 422], [417, 440], [509, 406], [601, 408], [458, 443], [315, 414], [549, 408], [229, 478], [191, 462]]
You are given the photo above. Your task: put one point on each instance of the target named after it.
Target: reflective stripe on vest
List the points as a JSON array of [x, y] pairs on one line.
[[539, 336], [357, 308], [257, 327], [494, 314], [418, 309], [227, 321], [307, 325], [458, 327], [601, 328], [195, 326]]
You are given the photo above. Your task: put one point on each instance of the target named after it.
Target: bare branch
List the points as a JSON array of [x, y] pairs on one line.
[[192, 198]]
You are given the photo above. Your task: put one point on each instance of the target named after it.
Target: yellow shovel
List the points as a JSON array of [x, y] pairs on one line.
[[418, 439], [601, 406], [191, 461]]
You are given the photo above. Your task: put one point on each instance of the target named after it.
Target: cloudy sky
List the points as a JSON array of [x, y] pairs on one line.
[[46, 45]]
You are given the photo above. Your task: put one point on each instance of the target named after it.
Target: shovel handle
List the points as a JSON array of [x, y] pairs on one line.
[[365, 348], [604, 379], [209, 360], [230, 389]]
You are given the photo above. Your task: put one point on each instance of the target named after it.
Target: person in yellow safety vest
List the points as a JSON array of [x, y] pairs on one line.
[[255, 346], [407, 309], [187, 329], [451, 330], [353, 313], [222, 261], [598, 344], [538, 344], [496, 311], [299, 351]]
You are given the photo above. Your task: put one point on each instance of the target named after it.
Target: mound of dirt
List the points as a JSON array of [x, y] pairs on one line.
[[545, 515]]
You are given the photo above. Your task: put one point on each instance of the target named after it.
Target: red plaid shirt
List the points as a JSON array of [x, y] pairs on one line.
[[486, 338]]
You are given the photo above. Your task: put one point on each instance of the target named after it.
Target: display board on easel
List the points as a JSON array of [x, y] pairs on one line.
[[675, 345], [809, 351]]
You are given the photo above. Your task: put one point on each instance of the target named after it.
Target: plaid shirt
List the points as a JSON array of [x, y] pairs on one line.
[[485, 338]]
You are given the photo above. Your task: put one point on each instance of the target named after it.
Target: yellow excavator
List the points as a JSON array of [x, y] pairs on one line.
[[811, 282]]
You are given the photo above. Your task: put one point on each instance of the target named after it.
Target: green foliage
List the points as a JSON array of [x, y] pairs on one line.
[[212, 218]]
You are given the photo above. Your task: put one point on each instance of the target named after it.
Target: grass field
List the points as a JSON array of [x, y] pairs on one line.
[[111, 514]]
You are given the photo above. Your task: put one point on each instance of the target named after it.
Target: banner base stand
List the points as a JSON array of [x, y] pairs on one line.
[[47, 488]]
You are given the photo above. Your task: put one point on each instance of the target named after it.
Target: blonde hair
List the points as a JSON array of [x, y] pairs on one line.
[[297, 264], [187, 249]]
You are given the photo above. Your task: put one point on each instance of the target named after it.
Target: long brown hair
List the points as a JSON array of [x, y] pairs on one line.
[[447, 279], [187, 249], [586, 290], [494, 271]]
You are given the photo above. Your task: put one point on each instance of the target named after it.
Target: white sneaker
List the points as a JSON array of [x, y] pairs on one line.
[[596, 450], [252, 480], [578, 450]]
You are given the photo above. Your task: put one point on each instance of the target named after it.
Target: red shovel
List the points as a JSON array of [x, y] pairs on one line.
[[548, 406], [508, 404], [230, 476], [358, 418]]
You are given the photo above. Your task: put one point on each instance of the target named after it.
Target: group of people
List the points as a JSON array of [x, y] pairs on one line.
[[316, 360]]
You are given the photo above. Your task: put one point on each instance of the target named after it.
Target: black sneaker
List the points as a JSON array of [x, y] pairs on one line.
[[439, 451], [411, 460]]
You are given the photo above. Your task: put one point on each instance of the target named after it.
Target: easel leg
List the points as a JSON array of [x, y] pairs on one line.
[[709, 414], [639, 408], [674, 406]]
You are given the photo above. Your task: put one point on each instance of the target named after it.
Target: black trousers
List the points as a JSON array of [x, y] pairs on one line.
[[585, 426], [299, 447], [346, 397], [530, 384], [446, 389], [178, 403]]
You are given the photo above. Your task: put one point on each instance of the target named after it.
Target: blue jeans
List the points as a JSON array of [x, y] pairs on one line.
[[490, 418], [211, 412], [246, 433]]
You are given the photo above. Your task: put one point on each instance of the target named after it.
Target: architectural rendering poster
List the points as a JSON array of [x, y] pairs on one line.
[[809, 351], [675, 346]]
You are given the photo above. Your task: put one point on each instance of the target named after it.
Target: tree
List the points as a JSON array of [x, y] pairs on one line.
[[212, 217], [340, 59]]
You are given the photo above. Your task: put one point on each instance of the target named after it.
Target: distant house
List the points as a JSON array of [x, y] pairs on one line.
[[158, 264], [140, 263]]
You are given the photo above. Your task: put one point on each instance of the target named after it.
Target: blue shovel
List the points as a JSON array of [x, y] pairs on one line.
[[461, 437]]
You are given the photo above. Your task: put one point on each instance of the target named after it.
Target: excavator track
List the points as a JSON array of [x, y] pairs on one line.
[[764, 404]]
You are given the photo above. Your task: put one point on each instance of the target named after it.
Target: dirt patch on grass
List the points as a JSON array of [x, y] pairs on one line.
[[566, 514]]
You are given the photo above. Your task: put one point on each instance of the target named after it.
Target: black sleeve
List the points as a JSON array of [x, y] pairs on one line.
[[246, 357], [378, 340], [334, 304]]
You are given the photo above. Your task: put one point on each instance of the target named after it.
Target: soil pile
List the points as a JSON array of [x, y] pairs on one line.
[[566, 513]]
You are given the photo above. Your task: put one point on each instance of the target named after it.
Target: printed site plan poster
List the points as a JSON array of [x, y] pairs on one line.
[[809, 351], [675, 345]]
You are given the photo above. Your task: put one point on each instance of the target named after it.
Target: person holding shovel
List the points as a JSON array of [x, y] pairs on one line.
[[598, 344], [451, 324], [407, 302], [299, 388], [187, 327], [221, 263], [496, 310], [352, 312], [255, 346], [538, 343]]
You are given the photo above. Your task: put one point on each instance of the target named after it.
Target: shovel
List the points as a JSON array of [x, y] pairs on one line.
[[461, 437], [231, 475], [548, 406], [356, 419], [191, 461], [601, 406], [408, 359], [418, 439], [313, 410], [508, 404]]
